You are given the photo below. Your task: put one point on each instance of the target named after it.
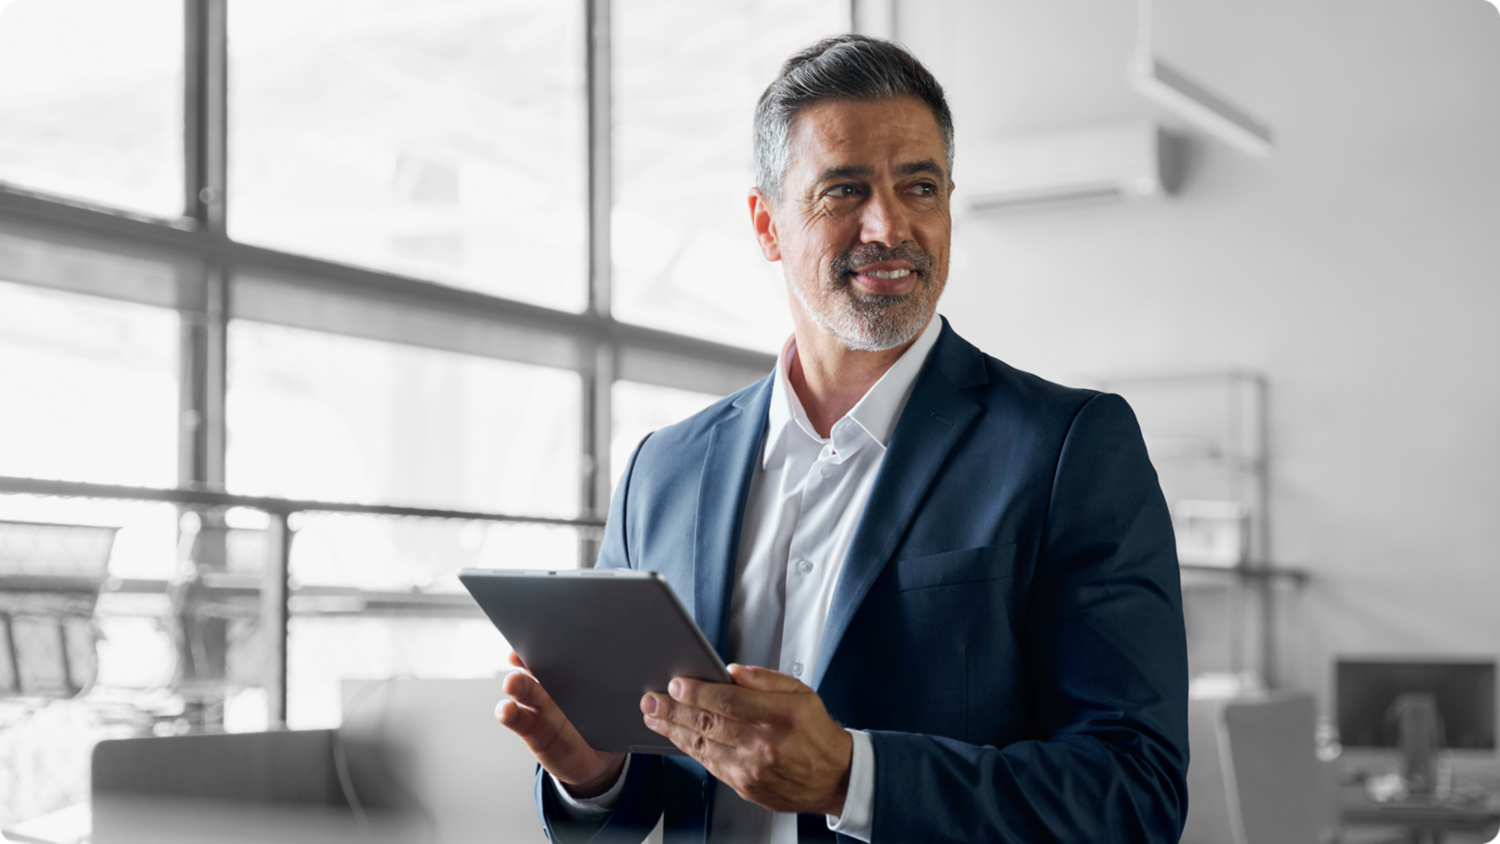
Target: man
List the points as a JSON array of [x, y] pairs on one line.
[[949, 587]]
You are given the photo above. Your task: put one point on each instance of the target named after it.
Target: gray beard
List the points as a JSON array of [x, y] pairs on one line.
[[870, 323]]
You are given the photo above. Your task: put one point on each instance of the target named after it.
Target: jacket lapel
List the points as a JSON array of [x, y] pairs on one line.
[[935, 418], [733, 449]]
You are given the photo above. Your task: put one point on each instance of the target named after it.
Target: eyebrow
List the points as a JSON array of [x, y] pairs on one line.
[[911, 168], [926, 165]]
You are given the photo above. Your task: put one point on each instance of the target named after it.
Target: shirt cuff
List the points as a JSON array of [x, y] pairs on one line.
[[592, 808], [859, 802]]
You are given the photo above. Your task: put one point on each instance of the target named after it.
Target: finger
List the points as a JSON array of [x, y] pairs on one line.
[[766, 680], [695, 744], [547, 722], [714, 726], [515, 659], [515, 717], [525, 690], [732, 702]]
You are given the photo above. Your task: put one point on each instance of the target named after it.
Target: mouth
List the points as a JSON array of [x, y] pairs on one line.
[[886, 278]]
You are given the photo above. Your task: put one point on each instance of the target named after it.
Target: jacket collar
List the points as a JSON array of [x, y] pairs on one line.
[[933, 421]]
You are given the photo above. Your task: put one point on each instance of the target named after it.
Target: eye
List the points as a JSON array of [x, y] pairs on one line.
[[924, 189], [842, 191]]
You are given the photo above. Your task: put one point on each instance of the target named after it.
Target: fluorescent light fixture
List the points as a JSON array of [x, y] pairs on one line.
[[1175, 92]]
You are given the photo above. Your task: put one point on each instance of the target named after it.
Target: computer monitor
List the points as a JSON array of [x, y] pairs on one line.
[[1368, 691]]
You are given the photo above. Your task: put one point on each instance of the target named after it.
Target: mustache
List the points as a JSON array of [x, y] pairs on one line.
[[871, 253]]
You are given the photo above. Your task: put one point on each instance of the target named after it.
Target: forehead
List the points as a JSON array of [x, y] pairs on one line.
[[864, 133]]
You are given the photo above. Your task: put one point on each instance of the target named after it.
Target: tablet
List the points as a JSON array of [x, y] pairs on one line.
[[597, 640]]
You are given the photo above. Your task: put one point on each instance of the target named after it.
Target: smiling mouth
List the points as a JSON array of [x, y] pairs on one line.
[[879, 271], [883, 283]]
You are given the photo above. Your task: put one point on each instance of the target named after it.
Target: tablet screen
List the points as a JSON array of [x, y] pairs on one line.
[[597, 640]]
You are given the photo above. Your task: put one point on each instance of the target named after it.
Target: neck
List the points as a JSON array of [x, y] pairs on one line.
[[829, 377]]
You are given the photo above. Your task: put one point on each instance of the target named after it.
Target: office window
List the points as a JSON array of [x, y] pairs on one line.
[[91, 101], [442, 139], [685, 259], [327, 417], [89, 387], [638, 409]]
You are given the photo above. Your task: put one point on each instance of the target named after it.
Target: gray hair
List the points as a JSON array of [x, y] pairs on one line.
[[844, 67]]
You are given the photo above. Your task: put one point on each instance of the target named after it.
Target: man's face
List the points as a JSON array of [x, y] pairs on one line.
[[863, 225]]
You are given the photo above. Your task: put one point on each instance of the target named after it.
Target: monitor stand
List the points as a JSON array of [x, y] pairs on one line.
[[1421, 731]]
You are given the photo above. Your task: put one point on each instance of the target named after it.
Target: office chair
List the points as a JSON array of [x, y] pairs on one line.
[[1254, 775], [50, 579]]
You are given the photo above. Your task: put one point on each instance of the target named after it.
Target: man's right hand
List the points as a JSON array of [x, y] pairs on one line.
[[554, 741]]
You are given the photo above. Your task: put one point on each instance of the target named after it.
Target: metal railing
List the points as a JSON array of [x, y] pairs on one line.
[[222, 622], [279, 597]]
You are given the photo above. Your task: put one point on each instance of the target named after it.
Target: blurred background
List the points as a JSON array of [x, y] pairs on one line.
[[306, 305]]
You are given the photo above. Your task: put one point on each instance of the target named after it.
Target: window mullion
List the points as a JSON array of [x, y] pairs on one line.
[[594, 486]]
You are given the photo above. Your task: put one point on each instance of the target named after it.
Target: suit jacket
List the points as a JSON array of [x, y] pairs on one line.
[[1007, 625]]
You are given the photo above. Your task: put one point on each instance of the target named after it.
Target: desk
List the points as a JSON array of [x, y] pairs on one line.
[[1426, 820]]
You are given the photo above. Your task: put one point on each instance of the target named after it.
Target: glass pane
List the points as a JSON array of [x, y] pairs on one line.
[[91, 100], [686, 78], [638, 409], [89, 386], [443, 139], [324, 651], [412, 554], [320, 416]]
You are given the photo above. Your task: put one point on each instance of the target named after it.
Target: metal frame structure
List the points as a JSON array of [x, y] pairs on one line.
[[218, 279]]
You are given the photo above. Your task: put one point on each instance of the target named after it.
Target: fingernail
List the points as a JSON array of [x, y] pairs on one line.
[[648, 705], [674, 689]]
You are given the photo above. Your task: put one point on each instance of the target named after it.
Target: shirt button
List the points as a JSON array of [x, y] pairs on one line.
[[796, 669], [804, 567], [827, 471]]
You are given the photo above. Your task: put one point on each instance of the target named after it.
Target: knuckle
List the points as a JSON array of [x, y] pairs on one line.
[[705, 721]]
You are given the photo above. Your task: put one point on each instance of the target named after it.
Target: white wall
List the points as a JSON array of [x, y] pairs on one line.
[[1359, 268]]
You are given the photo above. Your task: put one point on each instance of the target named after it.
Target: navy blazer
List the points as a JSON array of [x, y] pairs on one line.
[[1007, 626]]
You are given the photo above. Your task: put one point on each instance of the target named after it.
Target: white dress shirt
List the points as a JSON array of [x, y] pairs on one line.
[[805, 501]]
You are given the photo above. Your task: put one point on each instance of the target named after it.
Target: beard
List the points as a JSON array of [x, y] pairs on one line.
[[871, 322]]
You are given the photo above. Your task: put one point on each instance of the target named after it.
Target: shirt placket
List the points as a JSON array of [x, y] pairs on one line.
[[810, 559]]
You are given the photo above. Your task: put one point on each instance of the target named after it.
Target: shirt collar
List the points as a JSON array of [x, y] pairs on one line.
[[875, 414]]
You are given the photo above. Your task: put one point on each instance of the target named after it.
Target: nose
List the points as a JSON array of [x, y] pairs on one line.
[[885, 219]]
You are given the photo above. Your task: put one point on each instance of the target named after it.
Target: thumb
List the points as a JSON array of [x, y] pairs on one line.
[[766, 680]]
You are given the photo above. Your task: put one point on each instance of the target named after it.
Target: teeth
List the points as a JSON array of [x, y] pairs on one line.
[[890, 273]]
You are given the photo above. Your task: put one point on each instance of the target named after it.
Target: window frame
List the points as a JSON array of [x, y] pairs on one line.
[[220, 279]]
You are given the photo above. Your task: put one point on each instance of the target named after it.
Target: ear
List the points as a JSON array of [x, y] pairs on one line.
[[761, 217]]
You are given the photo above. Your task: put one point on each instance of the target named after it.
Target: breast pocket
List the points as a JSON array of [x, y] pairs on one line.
[[951, 568]]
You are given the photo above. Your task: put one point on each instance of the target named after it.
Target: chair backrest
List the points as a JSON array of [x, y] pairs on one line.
[[1254, 775], [50, 577], [1275, 765]]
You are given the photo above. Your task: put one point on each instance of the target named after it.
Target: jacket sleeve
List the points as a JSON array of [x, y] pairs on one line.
[[641, 802], [1106, 667]]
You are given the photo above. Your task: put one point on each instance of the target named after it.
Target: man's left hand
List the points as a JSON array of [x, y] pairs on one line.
[[767, 736]]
